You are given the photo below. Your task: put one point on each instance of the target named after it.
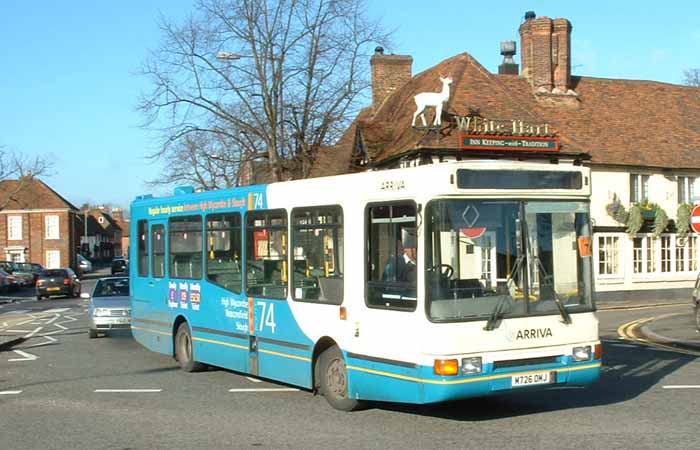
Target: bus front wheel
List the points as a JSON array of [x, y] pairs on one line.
[[183, 350], [334, 380]]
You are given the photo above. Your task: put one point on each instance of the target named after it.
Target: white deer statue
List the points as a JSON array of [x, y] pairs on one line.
[[436, 99]]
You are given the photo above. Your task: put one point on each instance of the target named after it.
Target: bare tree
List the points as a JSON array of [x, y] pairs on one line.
[[287, 81], [23, 169], [692, 77]]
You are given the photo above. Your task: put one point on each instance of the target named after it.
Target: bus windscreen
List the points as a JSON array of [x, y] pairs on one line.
[[517, 179]]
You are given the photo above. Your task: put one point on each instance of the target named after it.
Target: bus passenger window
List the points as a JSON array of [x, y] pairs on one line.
[[317, 243], [392, 256], [266, 254], [142, 229], [158, 243], [186, 247], [224, 251]]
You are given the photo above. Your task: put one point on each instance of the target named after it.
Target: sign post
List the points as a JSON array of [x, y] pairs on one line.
[[695, 219]]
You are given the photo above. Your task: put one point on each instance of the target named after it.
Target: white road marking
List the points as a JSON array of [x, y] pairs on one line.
[[24, 356], [254, 380], [111, 391], [50, 341], [32, 333], [265, 390], [57, 310], [10, 392], [681, 386], [17, 312]]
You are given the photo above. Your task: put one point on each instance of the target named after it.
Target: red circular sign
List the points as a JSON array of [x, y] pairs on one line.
[[695, 219], [476, 232]]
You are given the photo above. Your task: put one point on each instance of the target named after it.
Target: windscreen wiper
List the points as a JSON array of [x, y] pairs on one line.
[[497, 314], [562, 309]]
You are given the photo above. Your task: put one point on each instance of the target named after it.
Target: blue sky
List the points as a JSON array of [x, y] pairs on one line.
[[68, 89]]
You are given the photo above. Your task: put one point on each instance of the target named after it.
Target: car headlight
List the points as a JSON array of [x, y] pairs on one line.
[[100, 312], [471, 365], [582, 353]]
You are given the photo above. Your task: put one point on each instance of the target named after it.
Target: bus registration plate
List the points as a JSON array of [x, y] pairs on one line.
[[530, 379]]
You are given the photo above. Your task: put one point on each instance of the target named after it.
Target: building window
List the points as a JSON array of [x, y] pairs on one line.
[[14, 228], [51, 227], [53, 259], [686, 189], [317, 240], [186, 247], [639, 188], [608, 255], [224, 251], [665, 253], [266, 254]]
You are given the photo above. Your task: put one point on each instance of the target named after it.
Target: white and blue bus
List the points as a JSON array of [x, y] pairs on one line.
[[414, 285]]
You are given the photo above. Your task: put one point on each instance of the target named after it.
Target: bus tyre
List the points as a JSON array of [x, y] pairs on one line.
[[334, 380], [184, 353]]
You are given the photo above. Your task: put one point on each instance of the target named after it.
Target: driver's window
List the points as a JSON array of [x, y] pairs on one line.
[[392, 256]]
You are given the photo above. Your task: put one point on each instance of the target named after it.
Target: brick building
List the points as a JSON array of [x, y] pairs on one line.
[[37, 224], [101, 240], [641, 140]]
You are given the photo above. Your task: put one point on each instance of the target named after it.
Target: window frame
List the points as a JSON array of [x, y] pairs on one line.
[[686, 188], [241, 234], [620, 271], [367, 254], [252, 229], [290, 254], [47, 227], [18, 228], [170, 245], [641, 182]]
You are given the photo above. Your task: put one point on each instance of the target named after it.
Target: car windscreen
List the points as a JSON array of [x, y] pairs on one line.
[[53, 273], [112, 288]]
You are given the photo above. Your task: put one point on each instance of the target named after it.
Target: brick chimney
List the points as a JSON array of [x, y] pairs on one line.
[[545, 52], [389, 72]]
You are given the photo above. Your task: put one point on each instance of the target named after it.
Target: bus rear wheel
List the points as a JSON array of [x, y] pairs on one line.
[[334, 380], [184, 353]]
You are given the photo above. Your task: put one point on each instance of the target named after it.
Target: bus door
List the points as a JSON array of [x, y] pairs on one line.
[[163, 297]]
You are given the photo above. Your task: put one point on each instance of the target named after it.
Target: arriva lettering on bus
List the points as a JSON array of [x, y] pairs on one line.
[[393, 185], [534, 333]]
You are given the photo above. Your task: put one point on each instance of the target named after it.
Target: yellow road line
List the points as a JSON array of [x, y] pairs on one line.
[[626, 331]]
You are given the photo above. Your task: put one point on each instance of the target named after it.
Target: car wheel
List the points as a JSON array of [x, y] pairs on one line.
[[92, 334], [39, 297], [334, 380], [184, 352]]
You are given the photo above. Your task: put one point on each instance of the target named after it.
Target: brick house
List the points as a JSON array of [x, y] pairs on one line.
[[37, 224], [102, 239], [641, 140], [124, 224]]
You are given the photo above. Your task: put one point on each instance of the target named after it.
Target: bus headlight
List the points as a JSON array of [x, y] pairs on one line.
[[471, 365], [582, 353]]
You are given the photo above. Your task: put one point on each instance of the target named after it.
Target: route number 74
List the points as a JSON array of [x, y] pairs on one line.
[[267, 316]]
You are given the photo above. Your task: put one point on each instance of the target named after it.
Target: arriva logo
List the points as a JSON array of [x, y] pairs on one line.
[[533, 333]]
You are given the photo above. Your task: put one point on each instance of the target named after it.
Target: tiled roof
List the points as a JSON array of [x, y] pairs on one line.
[[620, 122], [31, 194]]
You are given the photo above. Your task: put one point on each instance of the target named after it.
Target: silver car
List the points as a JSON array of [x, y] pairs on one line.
[[110, 306]]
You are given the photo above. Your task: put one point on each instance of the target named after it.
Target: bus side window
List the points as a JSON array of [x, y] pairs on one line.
[[142, 229], [391, 256], [158, 250], [186, 247], [318, 250], [266, 253], [224, 251]]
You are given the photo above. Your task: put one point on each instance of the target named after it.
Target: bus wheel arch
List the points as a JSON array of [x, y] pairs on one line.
[[331, 376], [183, 347]]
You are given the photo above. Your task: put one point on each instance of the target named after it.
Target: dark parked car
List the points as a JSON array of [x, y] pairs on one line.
[[8, 282], [57, 282], [119, 265], [696, 303], [29, 272], [24, 277]]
